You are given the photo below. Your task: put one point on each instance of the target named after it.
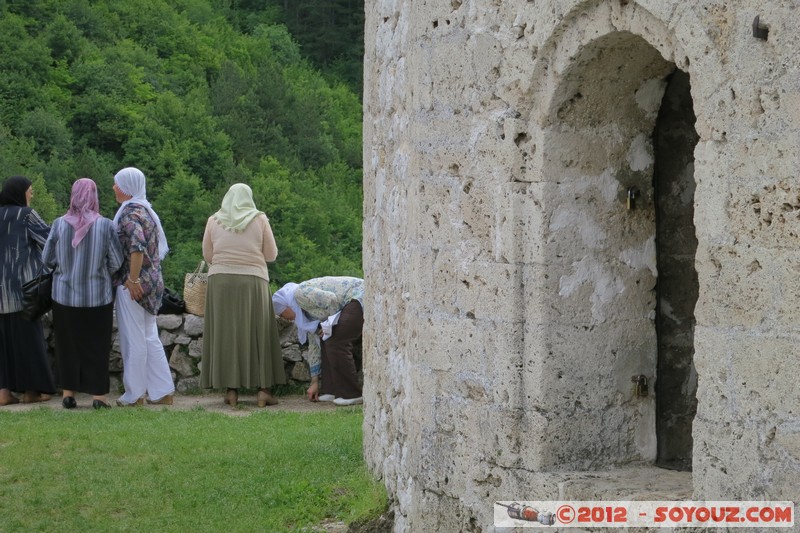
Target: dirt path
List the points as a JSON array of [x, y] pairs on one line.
[[208, 402]]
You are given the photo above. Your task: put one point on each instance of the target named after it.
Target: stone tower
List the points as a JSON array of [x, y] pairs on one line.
[[582, 252]]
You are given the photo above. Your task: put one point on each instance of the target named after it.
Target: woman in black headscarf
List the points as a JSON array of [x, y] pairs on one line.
[[23, 357]]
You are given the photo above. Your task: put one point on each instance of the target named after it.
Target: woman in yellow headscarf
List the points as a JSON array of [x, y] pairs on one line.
[[240, 337]]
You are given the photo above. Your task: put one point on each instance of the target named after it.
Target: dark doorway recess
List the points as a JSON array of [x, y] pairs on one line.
[[674, 141]]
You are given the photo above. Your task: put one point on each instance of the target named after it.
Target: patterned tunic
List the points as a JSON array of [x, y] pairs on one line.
[[320, 298], [138, 233], [22, 237], [82, 276]]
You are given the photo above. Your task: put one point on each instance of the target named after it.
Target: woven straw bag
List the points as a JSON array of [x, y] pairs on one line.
[[194, 289]]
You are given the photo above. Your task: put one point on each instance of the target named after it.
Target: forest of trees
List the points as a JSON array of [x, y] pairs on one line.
[[199, 94]]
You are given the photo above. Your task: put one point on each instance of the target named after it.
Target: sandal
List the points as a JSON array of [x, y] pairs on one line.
[[166, 400], [137, 403]]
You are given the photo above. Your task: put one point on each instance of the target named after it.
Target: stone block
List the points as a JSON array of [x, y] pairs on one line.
[[489, 291], [196, 348], [292, 353], [188, 385], [712, 457], [167, 338], [181, 363], [288, 332], [169, 322], [741, 375], [300, 372], [520, 224], [193, 325]]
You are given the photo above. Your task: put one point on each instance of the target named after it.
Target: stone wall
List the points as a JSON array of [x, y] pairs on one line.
[[511, 293], [182, 338]]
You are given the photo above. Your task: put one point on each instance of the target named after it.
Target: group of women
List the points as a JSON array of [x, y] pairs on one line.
[[89, 255], [99, 263]]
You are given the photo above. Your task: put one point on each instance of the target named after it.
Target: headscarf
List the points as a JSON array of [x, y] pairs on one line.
[[84, 209], [131, 181], [283, 298], [238, 208], [14, 189]]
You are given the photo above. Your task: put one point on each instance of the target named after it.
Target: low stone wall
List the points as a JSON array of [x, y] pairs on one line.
[[182, 338]]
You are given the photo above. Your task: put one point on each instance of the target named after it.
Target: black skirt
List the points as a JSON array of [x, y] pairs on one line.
[[23, 355], [83, 346]]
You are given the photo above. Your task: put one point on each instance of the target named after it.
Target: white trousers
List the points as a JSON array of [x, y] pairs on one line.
[[145, 368]]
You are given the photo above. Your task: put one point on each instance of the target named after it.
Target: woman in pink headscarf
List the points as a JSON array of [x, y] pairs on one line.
[[84, 250]]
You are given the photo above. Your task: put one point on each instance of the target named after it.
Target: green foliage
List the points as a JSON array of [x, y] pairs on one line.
[[183, 206], [317, 239], [330, 34], [42, 201], [199, 94]]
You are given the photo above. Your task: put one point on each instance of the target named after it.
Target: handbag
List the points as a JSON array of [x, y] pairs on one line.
[[171, 303], [194, 289], [37, 295]]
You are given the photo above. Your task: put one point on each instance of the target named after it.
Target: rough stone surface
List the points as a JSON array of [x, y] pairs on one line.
[[511, 295], [193, 325], [169, 322], [181, 363]]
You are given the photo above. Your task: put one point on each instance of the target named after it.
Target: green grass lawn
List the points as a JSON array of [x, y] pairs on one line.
[[148, 470]]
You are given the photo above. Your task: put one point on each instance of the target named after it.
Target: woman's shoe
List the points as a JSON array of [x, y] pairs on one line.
[[348, 401], [266, 398], [166, 400], [326, 398], [137, 403], [68, 402], [232, 397], [100, 404]]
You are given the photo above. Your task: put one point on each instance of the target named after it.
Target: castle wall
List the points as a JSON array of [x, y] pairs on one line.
[[510, 293]]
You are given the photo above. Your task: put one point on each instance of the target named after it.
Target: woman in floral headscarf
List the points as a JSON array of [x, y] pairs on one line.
[[84, 251], [139, 291], [335, 305], [23, 352], [240, 339]]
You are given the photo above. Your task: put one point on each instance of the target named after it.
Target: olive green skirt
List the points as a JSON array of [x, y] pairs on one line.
[[240, 337]]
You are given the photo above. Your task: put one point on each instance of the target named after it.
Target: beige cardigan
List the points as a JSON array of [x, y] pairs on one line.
[[246, 253]]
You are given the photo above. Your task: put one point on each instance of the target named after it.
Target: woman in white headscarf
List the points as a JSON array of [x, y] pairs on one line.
[[287, 307], [241, 347], [139, 290]]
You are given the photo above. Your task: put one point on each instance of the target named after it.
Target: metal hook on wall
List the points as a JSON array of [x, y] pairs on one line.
[[760, 31], [631, 195]]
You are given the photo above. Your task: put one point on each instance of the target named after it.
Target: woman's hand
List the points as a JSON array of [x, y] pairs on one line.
[[134, 289], [313, 391], [132, 283]]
